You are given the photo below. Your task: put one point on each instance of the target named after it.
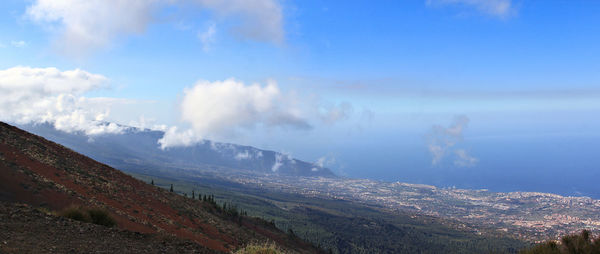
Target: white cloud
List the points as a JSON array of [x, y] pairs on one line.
[[463, 159], [325, 161], [222, 108], [441, 141], [246, 155], [322, 162], [88, 25], [222, 147], [208, 37], [243, 155], [337, 113], [71, 113], [498, 8], [84, 26], [35, 95], [438, 152], [260, 20], [20, 82], [144, 122], [278, 162], [173, 137], [18, 44]]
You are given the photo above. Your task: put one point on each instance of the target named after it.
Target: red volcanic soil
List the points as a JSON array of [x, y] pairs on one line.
[[39, 172]]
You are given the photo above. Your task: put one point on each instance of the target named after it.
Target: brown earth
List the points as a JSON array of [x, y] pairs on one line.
[[41, 173], [24, 229]]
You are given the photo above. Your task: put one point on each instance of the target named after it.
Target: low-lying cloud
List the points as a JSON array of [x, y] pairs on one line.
[[323, 162], [442, 140], [248, 155], [38, 95], [174, 137], [223, 108], [278, 162], [282, 159]]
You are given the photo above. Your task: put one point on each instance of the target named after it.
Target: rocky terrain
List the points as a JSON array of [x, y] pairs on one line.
[[25, 229]]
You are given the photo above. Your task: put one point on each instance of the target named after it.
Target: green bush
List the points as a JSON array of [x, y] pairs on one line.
[[88, 215]]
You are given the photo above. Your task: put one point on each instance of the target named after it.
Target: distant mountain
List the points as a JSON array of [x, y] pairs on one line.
[[42, 173], [137, 150]]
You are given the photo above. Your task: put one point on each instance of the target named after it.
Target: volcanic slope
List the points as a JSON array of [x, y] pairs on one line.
[[25, 229], [41, 173]]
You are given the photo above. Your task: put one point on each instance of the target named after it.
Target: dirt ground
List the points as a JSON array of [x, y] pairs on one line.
[[24, 229]]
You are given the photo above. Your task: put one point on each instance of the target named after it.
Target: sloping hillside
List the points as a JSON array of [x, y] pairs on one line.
[[42, 173], [25, 229]]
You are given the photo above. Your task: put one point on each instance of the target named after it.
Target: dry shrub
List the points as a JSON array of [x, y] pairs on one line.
[[265, 248], [90, 215]]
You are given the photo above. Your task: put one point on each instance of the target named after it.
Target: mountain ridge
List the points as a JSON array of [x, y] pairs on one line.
[[138, 148]]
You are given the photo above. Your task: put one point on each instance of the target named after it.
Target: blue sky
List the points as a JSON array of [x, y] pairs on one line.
[[364, 84]]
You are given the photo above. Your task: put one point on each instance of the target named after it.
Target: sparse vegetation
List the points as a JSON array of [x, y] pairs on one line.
[[265, 248], [88, 215], [74, 213], [339, 226], [225, 209], [46, 210], [582, 243], [101, 217]]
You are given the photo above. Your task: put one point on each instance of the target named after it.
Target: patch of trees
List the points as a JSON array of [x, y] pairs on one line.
[[583, 243], [226, 209]]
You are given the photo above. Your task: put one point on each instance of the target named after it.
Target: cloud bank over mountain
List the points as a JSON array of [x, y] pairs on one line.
[[223, 108], [36, 95], [218, 109], [207, 109]]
